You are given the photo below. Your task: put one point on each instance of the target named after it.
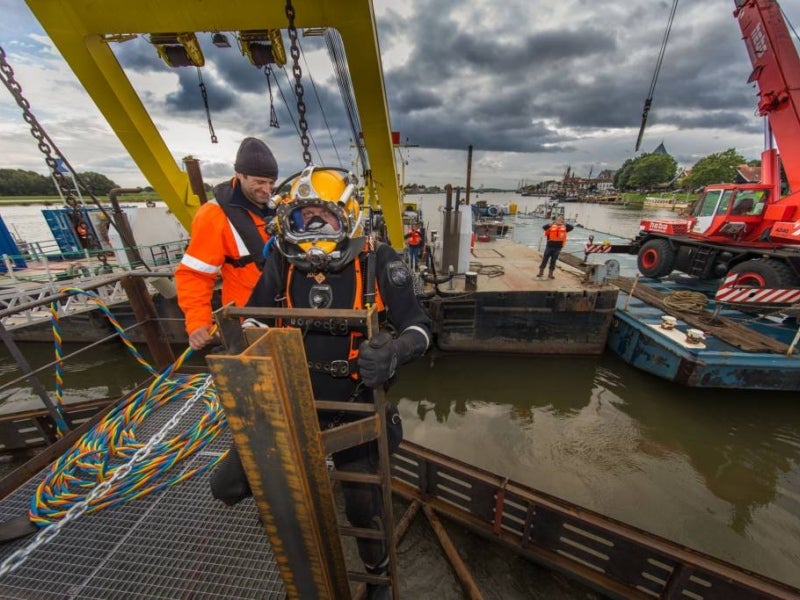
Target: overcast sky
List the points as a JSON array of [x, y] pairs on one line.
[[534, 86]]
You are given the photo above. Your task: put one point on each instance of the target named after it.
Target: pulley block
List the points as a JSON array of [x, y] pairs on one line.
[[263, 47], [178, 49]]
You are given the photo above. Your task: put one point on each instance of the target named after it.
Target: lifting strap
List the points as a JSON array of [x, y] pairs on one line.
[[240, 218]]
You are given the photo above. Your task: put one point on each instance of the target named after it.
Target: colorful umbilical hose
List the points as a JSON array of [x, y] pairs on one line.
[[113, 441]]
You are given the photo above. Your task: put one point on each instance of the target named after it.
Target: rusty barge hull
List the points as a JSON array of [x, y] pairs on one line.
[[503, 306], [550, 322]]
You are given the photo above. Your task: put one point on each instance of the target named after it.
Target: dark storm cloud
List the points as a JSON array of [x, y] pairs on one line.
[[544, 78], [534, 90]]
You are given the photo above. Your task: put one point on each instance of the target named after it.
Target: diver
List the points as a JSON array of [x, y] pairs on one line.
[[322, 261]]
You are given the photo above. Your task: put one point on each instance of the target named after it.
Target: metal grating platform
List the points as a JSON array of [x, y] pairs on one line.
[[177, 543]]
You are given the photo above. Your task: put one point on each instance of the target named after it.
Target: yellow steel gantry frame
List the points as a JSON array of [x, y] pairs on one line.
[[81, 30]]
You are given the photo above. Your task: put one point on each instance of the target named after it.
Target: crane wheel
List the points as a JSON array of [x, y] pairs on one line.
[[656, 258], [764, 273]]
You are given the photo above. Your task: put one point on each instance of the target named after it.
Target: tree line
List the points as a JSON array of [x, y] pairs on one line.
[[18, 182], [652, 171], [645, 172]]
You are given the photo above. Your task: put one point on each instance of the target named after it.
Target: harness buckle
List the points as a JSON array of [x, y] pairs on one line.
[[340, 368]]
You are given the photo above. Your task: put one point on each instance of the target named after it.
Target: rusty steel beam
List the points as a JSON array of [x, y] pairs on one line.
[[351, 434], [355, 319], [471, 589], [147, 316], [366, 429], [269, 404]]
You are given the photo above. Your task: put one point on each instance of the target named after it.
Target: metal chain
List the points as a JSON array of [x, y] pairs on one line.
[[273, 116], [47, 534], [205, 103], [294, 50], [46, 145]]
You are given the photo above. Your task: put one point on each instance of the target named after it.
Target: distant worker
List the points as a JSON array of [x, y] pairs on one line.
[[415, 240], [227, 239], [83, 233], [743, 206], [556, 234], [321, 260]]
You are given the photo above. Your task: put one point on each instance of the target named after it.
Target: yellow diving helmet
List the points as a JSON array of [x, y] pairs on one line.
[[319, 218]]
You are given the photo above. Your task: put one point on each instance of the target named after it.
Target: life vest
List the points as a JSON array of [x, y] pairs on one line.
[[358, 304], [556, 233], [414, 238]]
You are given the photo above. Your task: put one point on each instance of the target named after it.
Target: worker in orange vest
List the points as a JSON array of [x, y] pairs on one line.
[[227, 240], [415, 240], [556, 234]]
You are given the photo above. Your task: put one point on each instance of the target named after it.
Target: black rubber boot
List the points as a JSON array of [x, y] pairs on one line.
[[378, 592], [374, 590]]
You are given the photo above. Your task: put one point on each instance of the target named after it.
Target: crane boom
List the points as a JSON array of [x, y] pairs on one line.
[[776, 70]]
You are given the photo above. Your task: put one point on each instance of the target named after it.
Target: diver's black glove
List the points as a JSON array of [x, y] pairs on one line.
[[377, 359]]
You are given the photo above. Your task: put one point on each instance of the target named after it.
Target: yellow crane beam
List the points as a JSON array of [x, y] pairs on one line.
[[83, 30]]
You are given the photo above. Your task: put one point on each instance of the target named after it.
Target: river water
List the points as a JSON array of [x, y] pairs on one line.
[[717, 471]]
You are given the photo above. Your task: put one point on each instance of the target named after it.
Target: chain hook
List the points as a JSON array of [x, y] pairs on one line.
[[273, 116]]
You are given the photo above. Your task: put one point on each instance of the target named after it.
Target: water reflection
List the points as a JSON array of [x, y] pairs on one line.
[[741, 443], [456, 384], [106, 371], [715, 470]]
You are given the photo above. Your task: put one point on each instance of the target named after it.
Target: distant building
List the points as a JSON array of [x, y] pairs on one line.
[[747, 174], [661, 149]]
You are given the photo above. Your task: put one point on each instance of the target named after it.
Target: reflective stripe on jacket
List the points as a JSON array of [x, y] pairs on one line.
[[213, 239]]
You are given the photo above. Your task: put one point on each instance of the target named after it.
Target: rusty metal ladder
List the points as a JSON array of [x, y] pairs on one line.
[[264, 386]]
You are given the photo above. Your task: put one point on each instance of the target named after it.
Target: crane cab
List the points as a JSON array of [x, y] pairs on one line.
[[732, 212]]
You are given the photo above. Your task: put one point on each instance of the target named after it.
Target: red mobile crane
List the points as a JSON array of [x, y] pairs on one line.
[[747, 230]]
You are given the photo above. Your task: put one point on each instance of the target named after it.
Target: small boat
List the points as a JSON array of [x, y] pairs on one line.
[[549, 210], [670, 202], [491, 229]]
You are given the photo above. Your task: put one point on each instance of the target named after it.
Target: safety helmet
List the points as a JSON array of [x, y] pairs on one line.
[[319, 218]]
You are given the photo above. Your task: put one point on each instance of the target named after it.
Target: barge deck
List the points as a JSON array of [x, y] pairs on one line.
[[501, 306]]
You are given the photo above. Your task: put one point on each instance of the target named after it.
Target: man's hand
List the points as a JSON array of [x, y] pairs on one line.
[[200, 337], [377, 359]]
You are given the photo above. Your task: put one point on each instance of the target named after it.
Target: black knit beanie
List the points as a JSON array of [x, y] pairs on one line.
[[255, 158]]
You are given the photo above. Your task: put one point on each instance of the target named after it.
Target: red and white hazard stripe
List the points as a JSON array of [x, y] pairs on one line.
[[728, 292], [597, 248]]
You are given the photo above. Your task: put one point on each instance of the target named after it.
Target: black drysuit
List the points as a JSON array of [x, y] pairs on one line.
[[325, 344]]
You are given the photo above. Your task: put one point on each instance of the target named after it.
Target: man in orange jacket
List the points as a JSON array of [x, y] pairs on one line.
[[227, 240], [556, 234]]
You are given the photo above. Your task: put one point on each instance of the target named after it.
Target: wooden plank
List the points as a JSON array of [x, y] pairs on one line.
[[723, 328]]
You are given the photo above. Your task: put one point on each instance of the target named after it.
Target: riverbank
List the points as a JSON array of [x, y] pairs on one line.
[[56, 200]]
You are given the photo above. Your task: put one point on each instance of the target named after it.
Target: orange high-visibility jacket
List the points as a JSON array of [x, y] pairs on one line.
[[556, 233], [414, 237], [213, 240]]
